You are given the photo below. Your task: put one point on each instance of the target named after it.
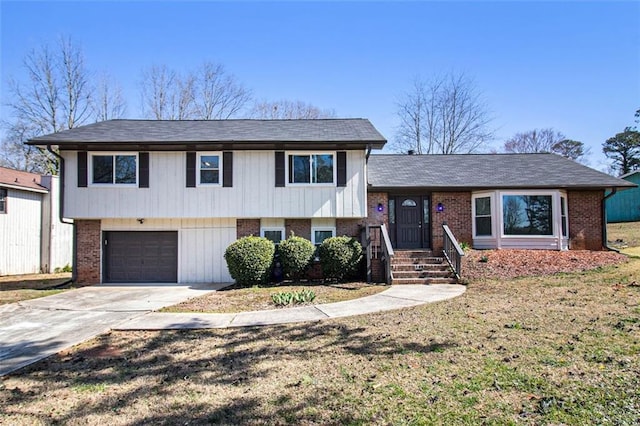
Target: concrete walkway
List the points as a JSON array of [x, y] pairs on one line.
[[35, 329], [396, 297]]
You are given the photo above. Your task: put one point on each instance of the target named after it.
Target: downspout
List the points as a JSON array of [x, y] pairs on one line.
[[604, 220], [74, 251], [366, 157]]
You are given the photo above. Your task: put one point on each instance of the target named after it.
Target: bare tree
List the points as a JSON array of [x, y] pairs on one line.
[[217, 94], [207, 94], [284, 109], [55, 95], [446, 115], [108, 101], [546, 140]]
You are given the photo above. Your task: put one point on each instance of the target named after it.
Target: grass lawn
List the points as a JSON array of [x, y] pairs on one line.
[[625, 236], [14, 288], [563, 349]]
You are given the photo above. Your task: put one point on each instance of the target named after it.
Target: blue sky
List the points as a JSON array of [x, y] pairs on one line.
[[573, 66]]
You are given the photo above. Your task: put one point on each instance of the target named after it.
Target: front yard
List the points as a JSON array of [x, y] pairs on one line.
[[542, 349]]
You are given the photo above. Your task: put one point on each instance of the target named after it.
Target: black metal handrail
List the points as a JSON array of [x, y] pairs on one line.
[[377, 245], [452, 251]]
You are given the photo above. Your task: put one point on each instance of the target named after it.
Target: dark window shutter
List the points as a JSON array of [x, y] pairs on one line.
[[342, 168], [191, 169], [279, 168], [82, 169], [227, 169], [143, 172]]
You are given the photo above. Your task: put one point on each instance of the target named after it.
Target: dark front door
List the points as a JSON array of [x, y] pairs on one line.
[[131, 257], [412, 222]]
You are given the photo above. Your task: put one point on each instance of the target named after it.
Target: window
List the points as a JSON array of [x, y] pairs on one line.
[[209, 169], [392, 210], [272, 234], [409, 203], [311, 169], [563, 216], [321, 234], [482, 212], [114, 169], [3, 201], [527, 215]]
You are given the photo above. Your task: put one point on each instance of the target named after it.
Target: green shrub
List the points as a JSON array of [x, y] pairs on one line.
[[250, 260], [296, 255], [293, 298], [340, 257]]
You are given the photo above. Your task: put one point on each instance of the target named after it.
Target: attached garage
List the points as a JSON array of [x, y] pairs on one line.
[[145, 256]]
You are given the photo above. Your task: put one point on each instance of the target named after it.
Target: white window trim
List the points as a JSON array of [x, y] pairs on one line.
[[492, 199], [563, 196], [199, 162], [288, 154], [321, 228], [273, 228], [113, 184]]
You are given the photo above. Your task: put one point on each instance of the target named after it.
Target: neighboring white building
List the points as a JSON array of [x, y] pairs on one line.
[[32, 237]]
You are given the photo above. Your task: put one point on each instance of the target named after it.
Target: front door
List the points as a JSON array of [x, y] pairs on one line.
[[412, 222]]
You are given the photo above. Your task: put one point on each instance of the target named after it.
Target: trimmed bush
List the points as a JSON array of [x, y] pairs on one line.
[[296, 255], [250, 260], [340, 257]]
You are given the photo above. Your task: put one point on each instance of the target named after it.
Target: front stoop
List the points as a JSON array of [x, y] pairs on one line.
[[420, 267]]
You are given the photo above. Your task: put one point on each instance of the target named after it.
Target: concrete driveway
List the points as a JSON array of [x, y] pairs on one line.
[[35, 329]]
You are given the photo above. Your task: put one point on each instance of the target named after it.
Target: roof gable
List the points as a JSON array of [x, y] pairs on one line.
[[485, 171]]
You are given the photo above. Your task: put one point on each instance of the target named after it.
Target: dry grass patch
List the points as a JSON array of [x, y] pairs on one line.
[[624, 235], [561, 349], [14, 288], [233, 299]]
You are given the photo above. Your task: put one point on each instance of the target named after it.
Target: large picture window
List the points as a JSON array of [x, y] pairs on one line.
[[114, 169], [311, 168], [527, 215]]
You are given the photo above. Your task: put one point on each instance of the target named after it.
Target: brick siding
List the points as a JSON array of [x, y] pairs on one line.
[[300, 227], [88, 236], [585, 220], [247, 227], [457, 214]]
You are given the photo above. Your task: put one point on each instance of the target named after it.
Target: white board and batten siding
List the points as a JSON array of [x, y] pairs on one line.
[[20, 232], [201, 244], [253, 195]]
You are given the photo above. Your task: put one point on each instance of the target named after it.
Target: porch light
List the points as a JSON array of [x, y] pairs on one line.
[[380, 207], [440, 207]]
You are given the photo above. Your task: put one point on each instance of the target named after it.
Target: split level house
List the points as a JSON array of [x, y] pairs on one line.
[[33, 239], [160, 201]]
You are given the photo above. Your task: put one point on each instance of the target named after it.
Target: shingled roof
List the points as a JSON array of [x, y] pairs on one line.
[[16, 179], [356, 131], [485, 171]]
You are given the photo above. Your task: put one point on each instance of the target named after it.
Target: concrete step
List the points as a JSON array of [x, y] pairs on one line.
[[422, 274], [420, 267], [424, 281]]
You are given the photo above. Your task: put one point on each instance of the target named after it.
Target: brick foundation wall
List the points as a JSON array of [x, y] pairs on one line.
[[585, 220], [246, 227], [88, 251], [457, 214], [300, 227]]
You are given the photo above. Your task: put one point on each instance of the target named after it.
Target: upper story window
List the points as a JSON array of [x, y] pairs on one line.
[[209, 168], [312, 169], [3, 200], [114, 169]]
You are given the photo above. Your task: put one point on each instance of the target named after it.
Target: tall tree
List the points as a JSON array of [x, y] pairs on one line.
[[55, 95], [546, 140], [108, 102], [624, 150], [446, 115], [209, 93], [284, 109]]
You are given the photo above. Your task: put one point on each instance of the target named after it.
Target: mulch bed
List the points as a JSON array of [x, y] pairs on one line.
[[507, 264]]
